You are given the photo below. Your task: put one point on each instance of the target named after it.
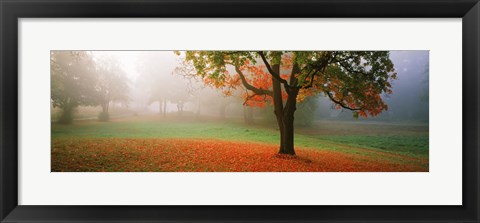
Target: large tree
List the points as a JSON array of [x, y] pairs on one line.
[[72, 81], [353, 80]]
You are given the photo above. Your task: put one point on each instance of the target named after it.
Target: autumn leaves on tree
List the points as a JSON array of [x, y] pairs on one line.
[[352, 80]]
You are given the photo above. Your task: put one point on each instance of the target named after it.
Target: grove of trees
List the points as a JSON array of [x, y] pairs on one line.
[[79, 79]]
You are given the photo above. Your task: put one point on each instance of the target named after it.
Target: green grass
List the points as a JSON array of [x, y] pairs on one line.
[[404, 144], [391, 138], [166, 130]]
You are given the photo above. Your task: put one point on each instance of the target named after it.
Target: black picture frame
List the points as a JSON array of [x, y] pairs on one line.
[[11, 11]]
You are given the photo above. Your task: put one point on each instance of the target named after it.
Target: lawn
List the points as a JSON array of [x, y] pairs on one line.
[[151, 143]]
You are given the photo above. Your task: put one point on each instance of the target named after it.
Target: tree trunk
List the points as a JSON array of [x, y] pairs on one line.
[[245, 119], [248, 114], [160, 108], [180, 107], [288, 113], [199, 105], [278, 106], [67, 116], [67, 113], [288, 120], [223, 107], [164, 108], [105, 106], [104, 116]]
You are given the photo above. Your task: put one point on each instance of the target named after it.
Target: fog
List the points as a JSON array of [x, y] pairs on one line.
[[157, 84]]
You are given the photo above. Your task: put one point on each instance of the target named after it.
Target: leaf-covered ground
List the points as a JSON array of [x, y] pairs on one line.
[[153, 144], [185, 155]]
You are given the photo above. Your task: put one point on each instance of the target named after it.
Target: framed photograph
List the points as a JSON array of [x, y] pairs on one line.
[[228, 111]]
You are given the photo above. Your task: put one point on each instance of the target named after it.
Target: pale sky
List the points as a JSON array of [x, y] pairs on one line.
[[130, 60]]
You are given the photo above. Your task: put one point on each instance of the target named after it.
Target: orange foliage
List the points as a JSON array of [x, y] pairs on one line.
[[364, 98], [258, 76]]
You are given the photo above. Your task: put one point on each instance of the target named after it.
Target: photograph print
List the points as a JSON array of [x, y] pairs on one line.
[[239, 111]]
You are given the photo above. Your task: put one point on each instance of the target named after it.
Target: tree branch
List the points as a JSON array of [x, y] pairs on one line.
[[271, 71], [339, 102], [312, 74], [351, 70], [319, 69], [249, 97], [232, 52], [250, 87]]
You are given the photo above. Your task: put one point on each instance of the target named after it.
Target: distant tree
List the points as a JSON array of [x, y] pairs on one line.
[[72, 82], [202, 97], [112, 85], [160, 85], [424, 82], [353, 80], [158, 95]]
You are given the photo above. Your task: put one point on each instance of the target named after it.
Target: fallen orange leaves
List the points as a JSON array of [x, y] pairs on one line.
[[201, 155]]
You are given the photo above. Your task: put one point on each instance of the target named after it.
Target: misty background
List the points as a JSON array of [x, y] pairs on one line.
[[155, 85]]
